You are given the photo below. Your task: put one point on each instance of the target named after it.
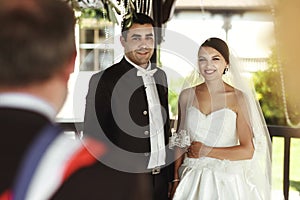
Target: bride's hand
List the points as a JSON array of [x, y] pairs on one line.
[[194, 150]]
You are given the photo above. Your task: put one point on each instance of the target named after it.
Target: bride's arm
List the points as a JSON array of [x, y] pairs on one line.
[[245, 148]]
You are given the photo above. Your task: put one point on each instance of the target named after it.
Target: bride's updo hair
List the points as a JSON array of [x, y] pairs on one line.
[[218, 45]]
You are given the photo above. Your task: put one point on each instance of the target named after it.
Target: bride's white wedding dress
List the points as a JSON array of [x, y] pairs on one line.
[[213, 179]]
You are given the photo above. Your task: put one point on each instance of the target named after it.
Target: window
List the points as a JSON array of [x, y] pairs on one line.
[[95, 44]]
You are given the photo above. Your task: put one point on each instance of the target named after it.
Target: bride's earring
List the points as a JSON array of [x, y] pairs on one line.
[[225, 70]]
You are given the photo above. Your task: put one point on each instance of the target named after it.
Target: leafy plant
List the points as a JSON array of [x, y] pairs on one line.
[[269, 93]]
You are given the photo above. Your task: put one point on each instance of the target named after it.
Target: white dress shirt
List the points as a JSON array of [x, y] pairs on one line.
[[157, 139]]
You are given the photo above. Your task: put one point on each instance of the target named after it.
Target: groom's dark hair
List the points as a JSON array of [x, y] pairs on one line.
[[137, 18]]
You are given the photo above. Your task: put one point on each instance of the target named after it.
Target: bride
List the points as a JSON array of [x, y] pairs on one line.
[[229, 154]]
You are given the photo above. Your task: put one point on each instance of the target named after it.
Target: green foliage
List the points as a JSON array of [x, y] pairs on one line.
[[93, 13], [175, 88], [105, 10], [277, 163], [268, 89], [173, 101]]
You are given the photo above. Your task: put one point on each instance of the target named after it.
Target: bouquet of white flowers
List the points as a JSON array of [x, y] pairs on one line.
[[181, 139]]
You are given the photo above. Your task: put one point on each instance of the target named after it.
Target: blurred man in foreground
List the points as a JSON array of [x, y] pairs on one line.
[[37, 55]]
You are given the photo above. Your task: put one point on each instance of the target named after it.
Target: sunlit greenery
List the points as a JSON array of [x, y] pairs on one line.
[[268, 89], [277, 164], [93, 13], [269, 92], [268, 86]]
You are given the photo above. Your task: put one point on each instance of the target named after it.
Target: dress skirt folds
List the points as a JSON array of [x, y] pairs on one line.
[[212, 179]]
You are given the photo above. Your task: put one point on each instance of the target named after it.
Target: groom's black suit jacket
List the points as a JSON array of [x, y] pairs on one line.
[[117, 113]]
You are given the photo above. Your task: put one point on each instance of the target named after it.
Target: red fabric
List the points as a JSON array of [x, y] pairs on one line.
[[85, 156], [6, 195]]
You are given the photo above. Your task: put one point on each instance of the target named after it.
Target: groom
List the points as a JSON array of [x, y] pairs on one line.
[[127, 107]]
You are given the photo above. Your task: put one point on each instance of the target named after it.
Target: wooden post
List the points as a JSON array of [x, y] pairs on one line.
[[286, 167]]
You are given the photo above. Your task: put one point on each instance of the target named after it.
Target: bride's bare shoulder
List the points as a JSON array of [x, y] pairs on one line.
[[188, 94]]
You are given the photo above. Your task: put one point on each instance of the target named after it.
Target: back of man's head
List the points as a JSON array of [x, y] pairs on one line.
[[36, 40]]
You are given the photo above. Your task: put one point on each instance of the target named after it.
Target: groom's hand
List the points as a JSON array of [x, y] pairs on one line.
[[194, 150]]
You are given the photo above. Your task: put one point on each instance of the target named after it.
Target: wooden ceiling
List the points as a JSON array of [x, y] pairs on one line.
[[223, 4]]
